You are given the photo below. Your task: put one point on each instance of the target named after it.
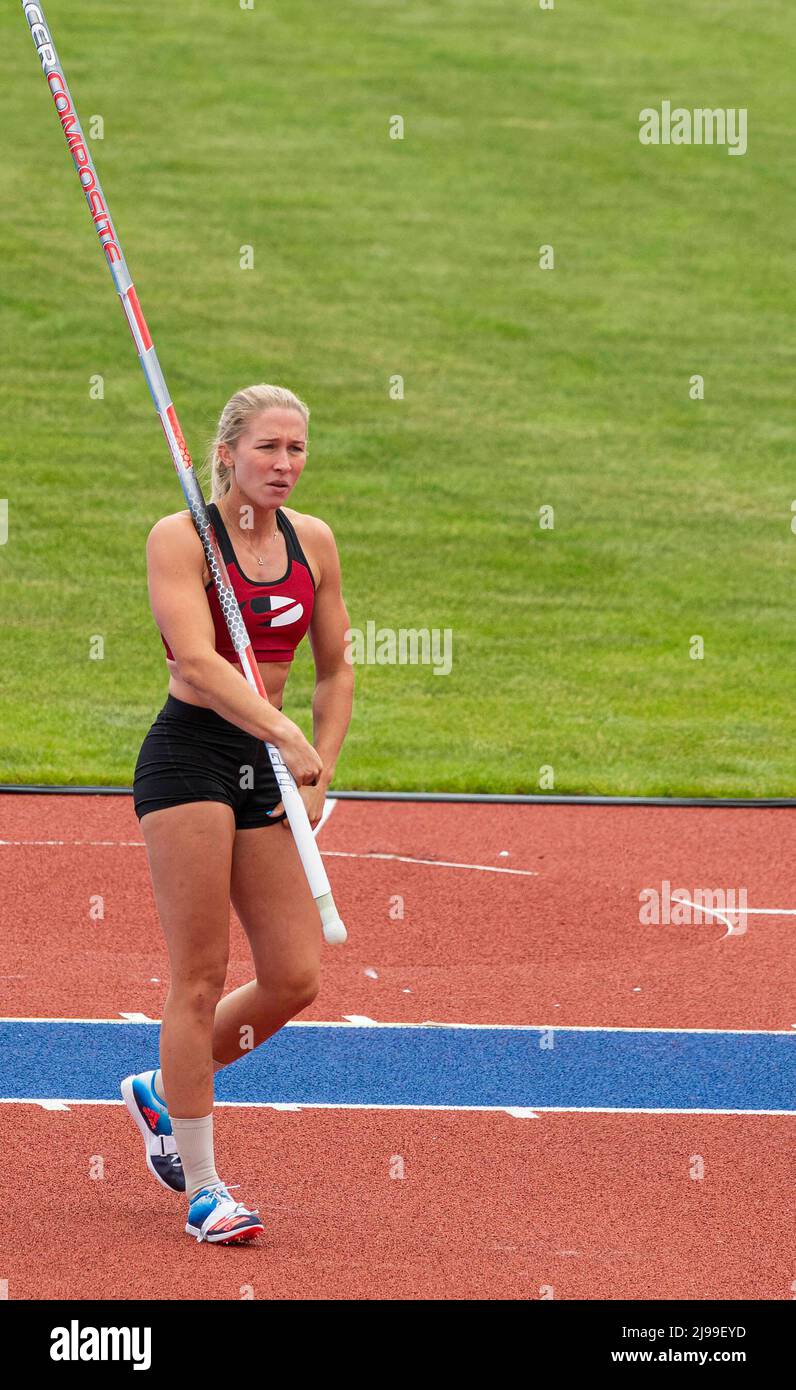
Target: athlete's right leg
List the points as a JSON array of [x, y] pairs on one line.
[[190, 858], [189, 749]]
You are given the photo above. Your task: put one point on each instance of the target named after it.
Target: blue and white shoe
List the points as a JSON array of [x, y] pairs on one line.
[[216, 1217], [152, 1119]]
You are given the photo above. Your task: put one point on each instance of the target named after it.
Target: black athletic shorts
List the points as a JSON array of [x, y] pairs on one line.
[[193, 754]]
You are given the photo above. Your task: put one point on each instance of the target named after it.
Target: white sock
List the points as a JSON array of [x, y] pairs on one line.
[[195, 1146], [157, 1081]]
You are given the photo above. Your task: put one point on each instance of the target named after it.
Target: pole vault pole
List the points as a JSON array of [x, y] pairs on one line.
[[333, 928]]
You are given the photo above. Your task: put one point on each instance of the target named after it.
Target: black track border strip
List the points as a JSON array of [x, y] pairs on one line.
[[488, 798]]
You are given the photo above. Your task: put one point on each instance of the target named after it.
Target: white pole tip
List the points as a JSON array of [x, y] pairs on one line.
[[335, 933]]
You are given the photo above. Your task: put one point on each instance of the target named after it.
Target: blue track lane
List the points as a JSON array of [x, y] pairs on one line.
[[431, 1066]]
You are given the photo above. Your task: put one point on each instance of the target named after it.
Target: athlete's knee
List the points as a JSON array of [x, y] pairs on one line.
[[296, 989], [201, 990]]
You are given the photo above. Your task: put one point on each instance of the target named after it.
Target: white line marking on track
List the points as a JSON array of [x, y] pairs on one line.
[[106, 844], [474, 1109], [728, 912], [436, 863], [714, 913], [431, 1023], [325, 854], [753, 911]]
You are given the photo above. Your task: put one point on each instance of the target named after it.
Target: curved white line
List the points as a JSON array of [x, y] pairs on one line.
[[700, 907]]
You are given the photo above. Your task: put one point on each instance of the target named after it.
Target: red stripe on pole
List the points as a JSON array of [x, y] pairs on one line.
[[127, 312], [178, 435], [146, 338]]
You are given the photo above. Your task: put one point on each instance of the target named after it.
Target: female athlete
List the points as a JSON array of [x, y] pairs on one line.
[[205, 792]]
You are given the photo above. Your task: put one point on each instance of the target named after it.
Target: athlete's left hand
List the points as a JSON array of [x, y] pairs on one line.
[[313, 798]]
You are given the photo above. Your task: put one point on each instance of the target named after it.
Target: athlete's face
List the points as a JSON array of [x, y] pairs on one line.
[[270, 456]]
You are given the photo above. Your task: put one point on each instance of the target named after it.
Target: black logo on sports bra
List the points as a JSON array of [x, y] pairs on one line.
[[281, 610]]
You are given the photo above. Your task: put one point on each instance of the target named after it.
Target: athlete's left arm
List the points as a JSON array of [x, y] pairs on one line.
[[333, 697]]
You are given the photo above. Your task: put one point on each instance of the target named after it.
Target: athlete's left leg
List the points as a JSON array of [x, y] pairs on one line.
[[271, 896]]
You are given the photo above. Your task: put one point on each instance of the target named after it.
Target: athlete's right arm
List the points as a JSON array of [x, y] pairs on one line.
[[175, 563]]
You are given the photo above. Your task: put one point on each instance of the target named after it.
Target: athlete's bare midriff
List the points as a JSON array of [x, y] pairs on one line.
[[274, 673]]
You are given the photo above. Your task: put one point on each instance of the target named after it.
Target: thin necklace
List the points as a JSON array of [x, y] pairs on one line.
[[260, 558]]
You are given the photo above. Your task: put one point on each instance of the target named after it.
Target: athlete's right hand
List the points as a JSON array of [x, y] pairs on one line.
[[300, 756]]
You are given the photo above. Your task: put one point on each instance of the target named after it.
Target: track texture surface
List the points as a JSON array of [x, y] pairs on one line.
[[412, 1203]]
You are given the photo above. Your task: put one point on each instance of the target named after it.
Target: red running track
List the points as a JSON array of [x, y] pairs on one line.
[[588, 1206]]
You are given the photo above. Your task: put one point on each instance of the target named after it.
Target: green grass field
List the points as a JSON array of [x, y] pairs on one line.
[[523, 387]]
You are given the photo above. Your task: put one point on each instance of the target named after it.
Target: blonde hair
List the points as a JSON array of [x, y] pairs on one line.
[[233, 421]]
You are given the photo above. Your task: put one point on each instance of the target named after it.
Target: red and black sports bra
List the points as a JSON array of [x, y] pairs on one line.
[[276, 614]]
